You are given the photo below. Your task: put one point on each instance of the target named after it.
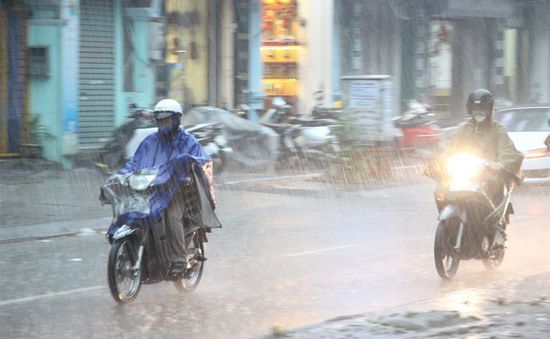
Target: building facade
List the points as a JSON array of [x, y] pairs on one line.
[[76, 66], [290, 52], [439, 51]]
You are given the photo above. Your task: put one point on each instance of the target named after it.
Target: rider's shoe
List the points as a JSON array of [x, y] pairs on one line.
[[178, 269]]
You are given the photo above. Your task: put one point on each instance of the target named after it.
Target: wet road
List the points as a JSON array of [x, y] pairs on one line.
[[280, 261]]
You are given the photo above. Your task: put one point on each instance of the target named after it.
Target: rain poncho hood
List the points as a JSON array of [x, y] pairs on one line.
[[174, 161]]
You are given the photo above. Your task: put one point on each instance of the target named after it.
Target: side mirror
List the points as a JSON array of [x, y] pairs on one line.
[[547, 142], [548, 122]]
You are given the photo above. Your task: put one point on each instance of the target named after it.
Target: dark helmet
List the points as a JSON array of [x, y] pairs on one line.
[[480, 100]]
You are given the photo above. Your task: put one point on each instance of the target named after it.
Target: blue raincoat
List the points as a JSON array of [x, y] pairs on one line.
[[177, 160]]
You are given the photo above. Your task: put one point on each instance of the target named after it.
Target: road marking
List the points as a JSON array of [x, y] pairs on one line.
[[272, 178], [318, 251], [49, 295]]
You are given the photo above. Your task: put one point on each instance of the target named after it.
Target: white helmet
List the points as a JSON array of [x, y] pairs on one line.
[[166, 107]]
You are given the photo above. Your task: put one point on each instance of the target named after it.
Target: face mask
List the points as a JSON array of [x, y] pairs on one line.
[[165, 131], [479, 116]]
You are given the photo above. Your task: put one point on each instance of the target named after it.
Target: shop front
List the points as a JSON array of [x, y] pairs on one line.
[[187, 51], [280, 50]]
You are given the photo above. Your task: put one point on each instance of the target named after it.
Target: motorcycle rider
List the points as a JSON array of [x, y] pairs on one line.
[[169, 141], [487, 139]]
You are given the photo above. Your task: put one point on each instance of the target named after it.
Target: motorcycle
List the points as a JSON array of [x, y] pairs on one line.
[[422, 136], [471, 224], [313, 139], [211, 137], [138, 253]]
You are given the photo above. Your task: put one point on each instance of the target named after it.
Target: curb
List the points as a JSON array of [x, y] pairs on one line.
[[298, 185], [277, 189]]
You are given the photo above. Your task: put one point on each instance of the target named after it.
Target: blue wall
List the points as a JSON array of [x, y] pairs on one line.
[[45, 93], [143, 75]]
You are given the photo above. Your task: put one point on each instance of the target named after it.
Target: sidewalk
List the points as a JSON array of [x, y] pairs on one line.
[[505, 309], [38, 199]]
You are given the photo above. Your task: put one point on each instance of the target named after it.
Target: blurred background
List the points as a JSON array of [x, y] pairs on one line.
[[71, 70]]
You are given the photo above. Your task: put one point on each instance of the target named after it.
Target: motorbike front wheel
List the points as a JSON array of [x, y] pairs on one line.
[[193, 275], [445, 257], [124, 280], [495, 258]]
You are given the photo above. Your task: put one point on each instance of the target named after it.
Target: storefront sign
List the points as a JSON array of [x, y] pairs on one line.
[[363, 93]]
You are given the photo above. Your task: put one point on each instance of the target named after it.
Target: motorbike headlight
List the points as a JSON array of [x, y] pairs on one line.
[[462, 167]]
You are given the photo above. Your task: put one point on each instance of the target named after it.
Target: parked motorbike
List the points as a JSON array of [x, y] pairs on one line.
[[422, 137], [214, 142], [112, 155], [322, 112], [313, 139], [138, 241], [471, 219]]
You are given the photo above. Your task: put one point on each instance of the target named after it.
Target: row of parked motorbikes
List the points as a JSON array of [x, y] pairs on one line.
[[300, 139], [311, 140]]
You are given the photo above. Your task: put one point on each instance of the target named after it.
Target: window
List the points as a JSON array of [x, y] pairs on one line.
[[39, 62]]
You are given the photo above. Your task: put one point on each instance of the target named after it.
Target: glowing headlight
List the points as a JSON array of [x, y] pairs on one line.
[[140, 182], [463, 167]]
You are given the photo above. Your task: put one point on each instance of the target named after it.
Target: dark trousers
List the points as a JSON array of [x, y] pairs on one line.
[[175, 230], [179, 217]]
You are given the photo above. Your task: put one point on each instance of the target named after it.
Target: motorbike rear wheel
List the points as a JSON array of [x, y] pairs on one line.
[[124, 281], [193, 276], [445, 257]]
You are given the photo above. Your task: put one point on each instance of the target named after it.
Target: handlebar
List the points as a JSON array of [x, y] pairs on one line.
[[516, 177]]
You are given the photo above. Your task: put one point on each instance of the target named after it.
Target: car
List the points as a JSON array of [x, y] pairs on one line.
[[529, 129]]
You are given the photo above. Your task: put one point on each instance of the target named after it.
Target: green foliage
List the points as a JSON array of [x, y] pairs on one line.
[[35, 131], [357, 163]]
